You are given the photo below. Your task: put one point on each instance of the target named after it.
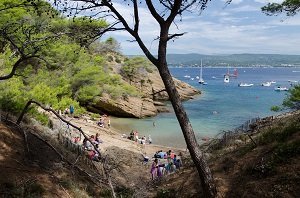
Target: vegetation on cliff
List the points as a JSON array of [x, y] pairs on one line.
[[62, 67]]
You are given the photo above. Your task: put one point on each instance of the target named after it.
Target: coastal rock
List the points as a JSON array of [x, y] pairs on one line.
[[156, 88], [148, 104], [125, 107]]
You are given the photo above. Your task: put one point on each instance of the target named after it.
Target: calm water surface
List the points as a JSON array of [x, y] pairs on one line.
[[234, 105]]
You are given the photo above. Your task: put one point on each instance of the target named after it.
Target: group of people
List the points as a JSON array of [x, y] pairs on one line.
[[134, 136], [171, 165], [87, 145], [68, 111]]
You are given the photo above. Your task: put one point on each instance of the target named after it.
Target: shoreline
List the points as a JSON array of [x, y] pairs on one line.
[[112, 137]]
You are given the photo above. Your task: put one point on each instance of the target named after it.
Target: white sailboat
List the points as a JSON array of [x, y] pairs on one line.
[[226, 78], [201, 80]]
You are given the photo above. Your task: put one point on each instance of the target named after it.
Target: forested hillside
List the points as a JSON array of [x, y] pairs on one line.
[[236, 60], [55, 60]]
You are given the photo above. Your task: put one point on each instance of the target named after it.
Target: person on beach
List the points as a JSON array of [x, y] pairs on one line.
[[169, 156], [101, 123], [108, 122], [136, 136], [154, 168], [97, 140], [72, 109], [177, 162], [131, 135], [149, 139]]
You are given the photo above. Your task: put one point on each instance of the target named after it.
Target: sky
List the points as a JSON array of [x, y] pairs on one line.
[[237, 28]]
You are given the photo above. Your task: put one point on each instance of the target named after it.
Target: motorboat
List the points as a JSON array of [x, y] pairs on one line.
[[279, 88], [245, 85], [266, 84]]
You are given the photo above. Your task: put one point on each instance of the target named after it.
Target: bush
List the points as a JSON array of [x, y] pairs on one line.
[[279, 134], [124, 192], [166, 193], [41, 117], [285, 151]]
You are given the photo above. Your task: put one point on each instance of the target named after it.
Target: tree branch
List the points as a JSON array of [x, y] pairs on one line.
[[136, 16], [175, 35], [15, 66], [152, 10], [57, 115]]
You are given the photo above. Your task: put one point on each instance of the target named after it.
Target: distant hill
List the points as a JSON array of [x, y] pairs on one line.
[[244, 60]]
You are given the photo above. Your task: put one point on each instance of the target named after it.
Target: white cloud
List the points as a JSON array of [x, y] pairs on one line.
[[268, 1], [238, 28], [245, 8]]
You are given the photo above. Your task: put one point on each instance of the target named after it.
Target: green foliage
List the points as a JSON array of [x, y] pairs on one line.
[[293, 99], [275, 108], [136, 67], [13, 97], [26, 190], [84, 30], [280, 133], [108, 46], [41, 117], [87, 93], [43, 93], [285, 151], [65, 102], [289, 7], [67, 73], [166, 193]]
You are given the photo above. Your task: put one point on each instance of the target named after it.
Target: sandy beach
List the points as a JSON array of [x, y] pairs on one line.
[[111, 137]]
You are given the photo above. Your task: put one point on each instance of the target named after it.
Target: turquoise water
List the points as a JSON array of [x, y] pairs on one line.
[[234, 105]]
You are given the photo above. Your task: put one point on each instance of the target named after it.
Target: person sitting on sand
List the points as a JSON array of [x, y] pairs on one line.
[[143, 140], [87, 145], [160, 154], [101, 123], [131, 135]]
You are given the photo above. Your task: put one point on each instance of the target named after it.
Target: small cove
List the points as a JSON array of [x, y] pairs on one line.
[[220, 106]]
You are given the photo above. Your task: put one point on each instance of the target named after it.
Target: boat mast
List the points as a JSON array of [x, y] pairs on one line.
[[201, 70]]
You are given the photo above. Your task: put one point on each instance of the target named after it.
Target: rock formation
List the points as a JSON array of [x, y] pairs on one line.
[[150, 101]]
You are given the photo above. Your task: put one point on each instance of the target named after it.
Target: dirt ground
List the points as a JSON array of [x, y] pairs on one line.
[[239, 171]]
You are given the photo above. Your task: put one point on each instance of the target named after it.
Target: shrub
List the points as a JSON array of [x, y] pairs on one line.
[[285, 151]]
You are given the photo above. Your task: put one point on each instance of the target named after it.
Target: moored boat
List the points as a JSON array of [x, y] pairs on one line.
[[201, 80], [279, 88], [245, 85], [226, 78], [266, 84]]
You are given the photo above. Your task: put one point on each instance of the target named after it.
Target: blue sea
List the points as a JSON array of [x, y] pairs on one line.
[[221, 106]]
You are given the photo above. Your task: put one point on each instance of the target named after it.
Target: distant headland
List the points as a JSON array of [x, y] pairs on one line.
[[233, 60]]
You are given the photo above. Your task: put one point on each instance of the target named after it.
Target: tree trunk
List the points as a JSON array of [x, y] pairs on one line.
[[204, 172]]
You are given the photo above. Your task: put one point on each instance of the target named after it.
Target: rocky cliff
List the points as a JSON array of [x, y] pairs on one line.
[[149, 103]]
